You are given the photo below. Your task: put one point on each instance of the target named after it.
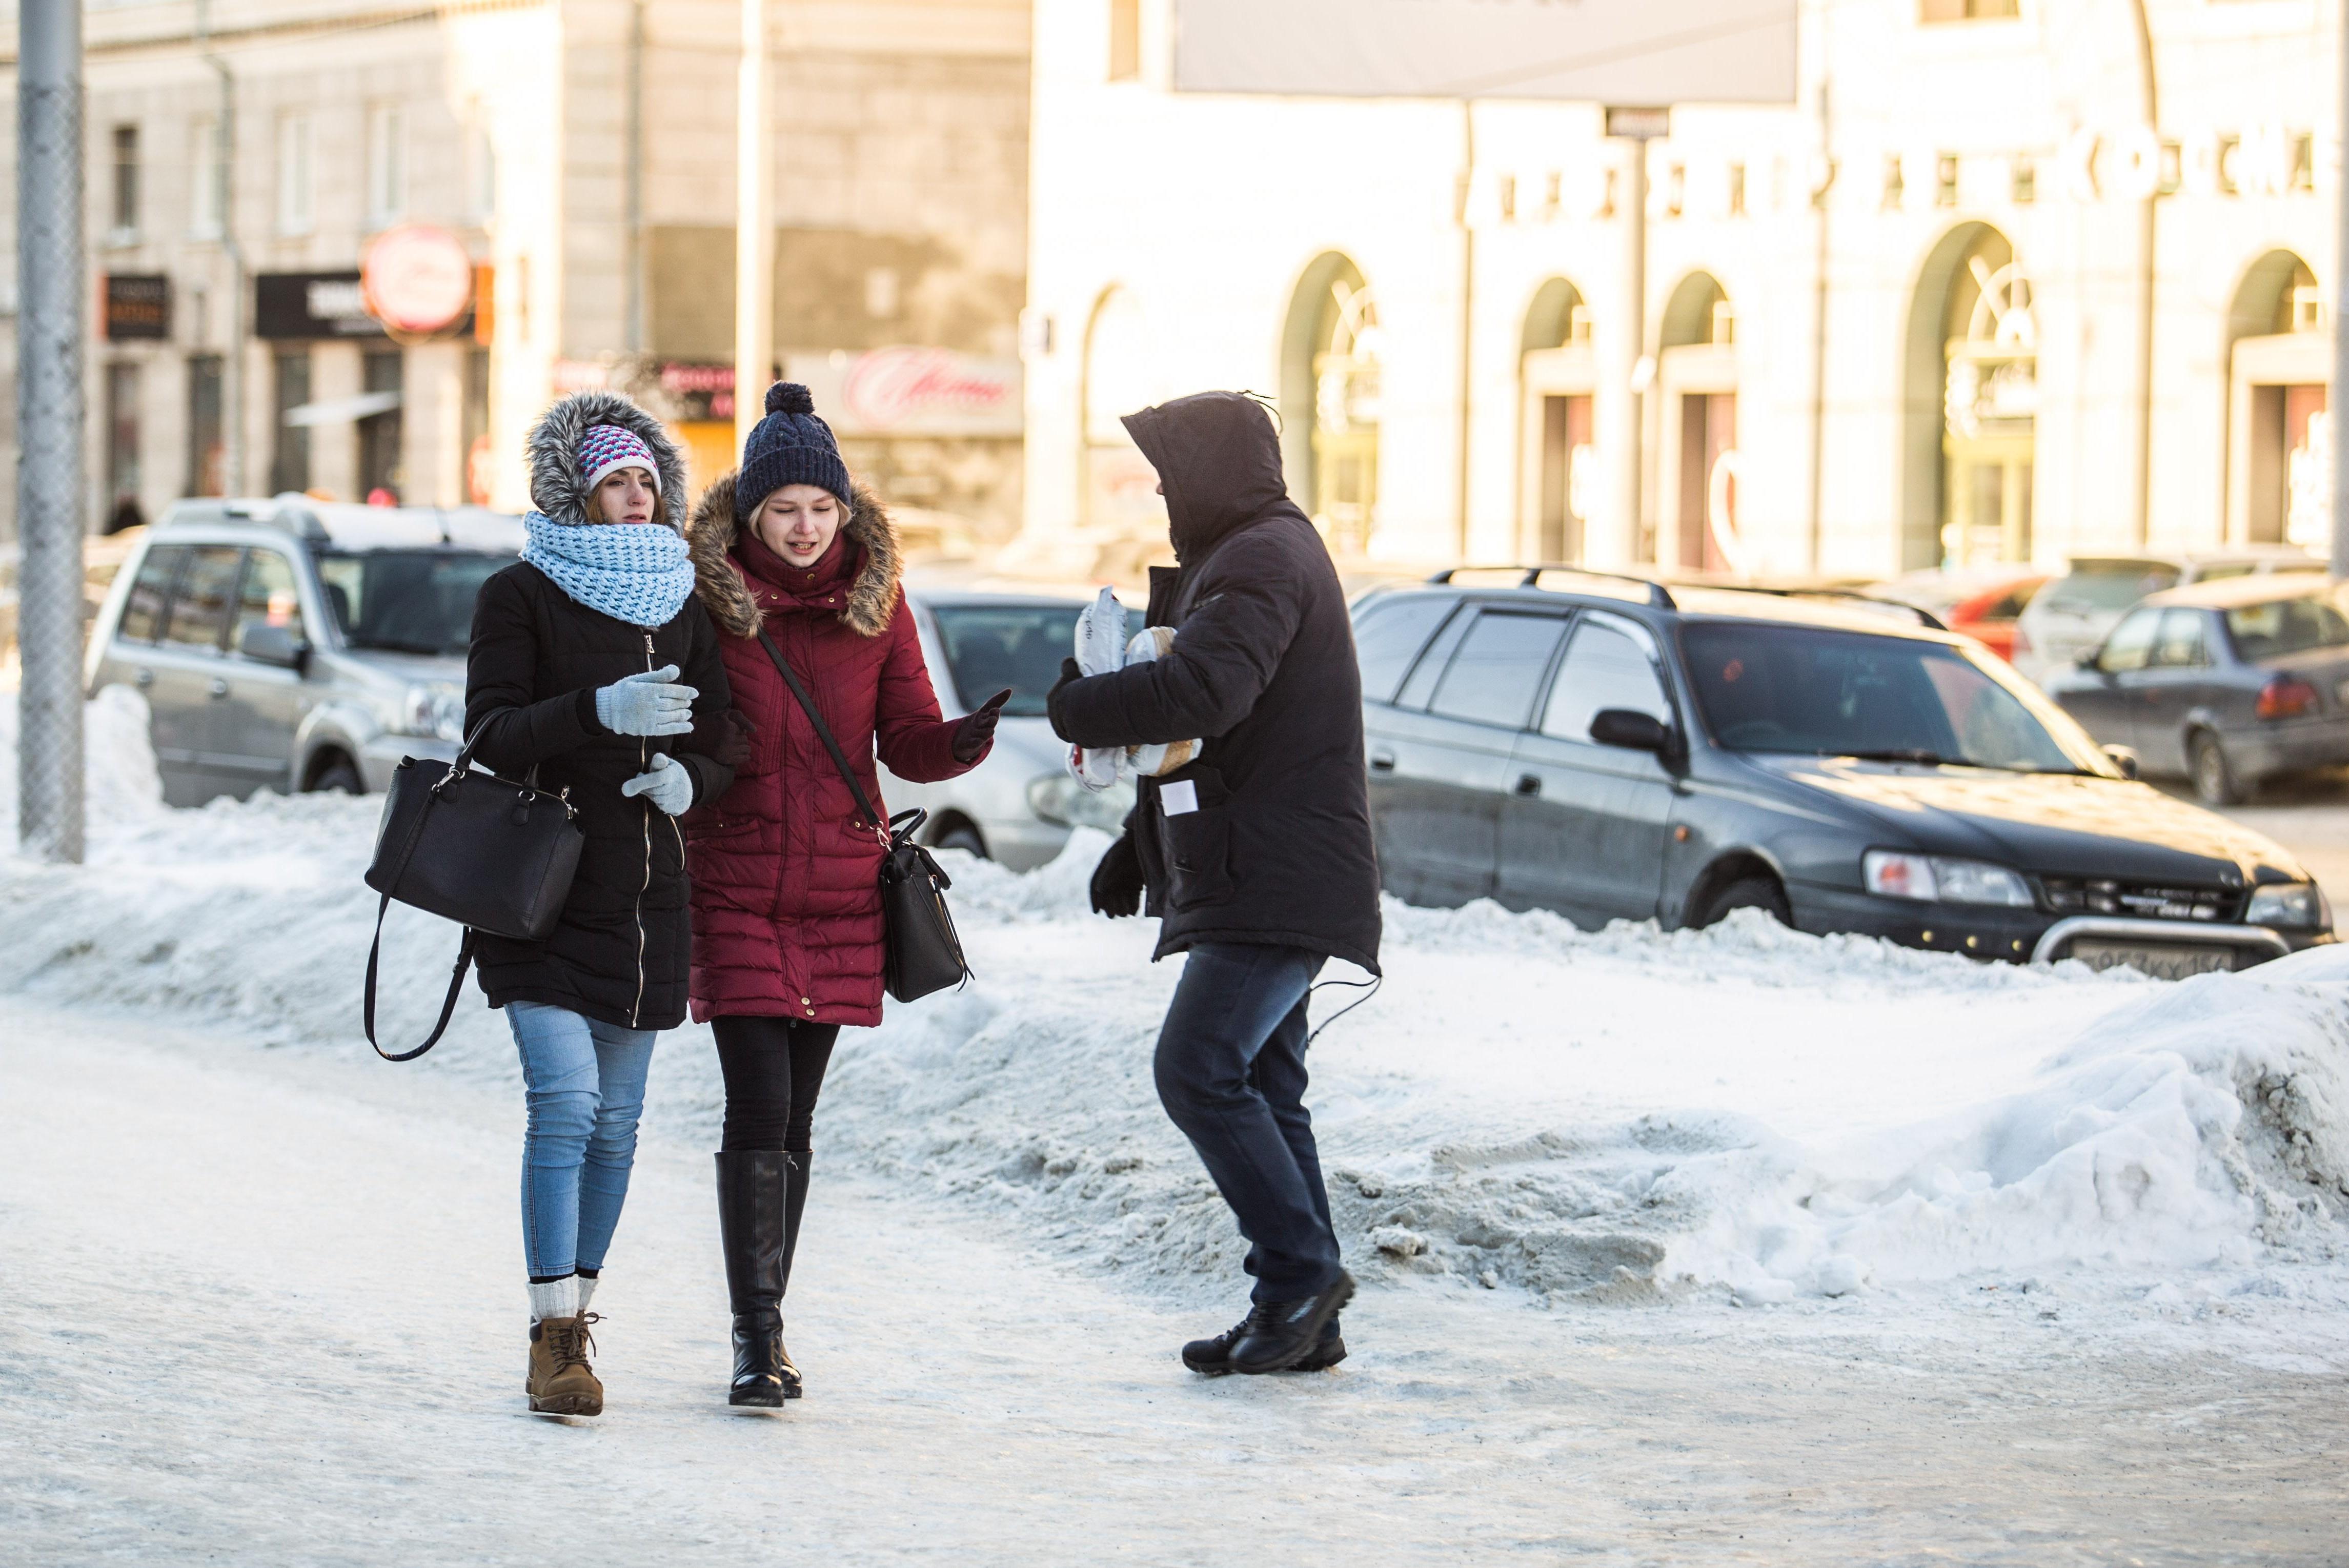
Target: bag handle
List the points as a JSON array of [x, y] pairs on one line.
[[375, 949], [823, 733]]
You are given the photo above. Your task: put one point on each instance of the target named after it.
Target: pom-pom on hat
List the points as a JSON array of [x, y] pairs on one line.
[[608, 447], [790, 447]]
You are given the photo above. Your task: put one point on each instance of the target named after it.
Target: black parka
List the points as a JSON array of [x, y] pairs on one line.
[[621, 951], [1279, 849]]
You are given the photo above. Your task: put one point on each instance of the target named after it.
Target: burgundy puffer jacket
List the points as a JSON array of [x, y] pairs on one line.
[[786, 889]]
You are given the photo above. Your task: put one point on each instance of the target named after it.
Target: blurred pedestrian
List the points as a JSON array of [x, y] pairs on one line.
[[1257, 857], [788, 935], [574, 679]]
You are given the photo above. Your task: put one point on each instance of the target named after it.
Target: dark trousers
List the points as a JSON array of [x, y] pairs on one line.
[[1231, 1074], [773, 1069]]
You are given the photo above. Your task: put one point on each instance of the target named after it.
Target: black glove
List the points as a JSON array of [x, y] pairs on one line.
[[1117, 880], [1069, 672], [731, 733], [975, 733]]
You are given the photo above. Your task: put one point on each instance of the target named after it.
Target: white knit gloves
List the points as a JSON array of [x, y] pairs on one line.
[[668, 784], [649, 704]]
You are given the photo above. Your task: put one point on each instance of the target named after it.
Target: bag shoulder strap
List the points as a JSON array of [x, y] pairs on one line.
[[823, 733], [448, 1002]]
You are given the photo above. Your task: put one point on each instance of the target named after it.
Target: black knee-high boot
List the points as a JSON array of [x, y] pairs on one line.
[[795, 1166], [755, 1224]]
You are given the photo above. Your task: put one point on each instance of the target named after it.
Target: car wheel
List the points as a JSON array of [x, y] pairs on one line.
[[1749, 892], [341, 774], [962, 836], [2214, 781]]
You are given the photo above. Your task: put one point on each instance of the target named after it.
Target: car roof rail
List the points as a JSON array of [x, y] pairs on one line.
[[1659, 596], [1925, 618]]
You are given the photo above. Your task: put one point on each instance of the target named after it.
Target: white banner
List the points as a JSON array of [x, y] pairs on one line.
[[1657, 52], [911, 391]]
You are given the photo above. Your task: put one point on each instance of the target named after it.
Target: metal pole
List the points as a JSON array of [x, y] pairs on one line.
[[1622, 435], [2337, 395], [1467, 321], [2147, 231], [754, 230], [634, 324], [233, 358], [50, 499]]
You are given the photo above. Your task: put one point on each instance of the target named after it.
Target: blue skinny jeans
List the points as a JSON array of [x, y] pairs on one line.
[[584, 1081]]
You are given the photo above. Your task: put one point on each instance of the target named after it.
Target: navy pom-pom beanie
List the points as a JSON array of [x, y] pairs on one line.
[[790, 447]]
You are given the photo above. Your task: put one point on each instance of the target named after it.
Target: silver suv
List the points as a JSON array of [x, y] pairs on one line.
[[2074, 615], [298, 645]]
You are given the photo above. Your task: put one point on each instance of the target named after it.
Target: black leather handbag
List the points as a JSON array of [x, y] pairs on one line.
[[485, 851], [923, 952]]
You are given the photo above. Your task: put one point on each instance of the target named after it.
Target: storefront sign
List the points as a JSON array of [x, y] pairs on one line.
[[911, 391], [417, 279], [137, 306], [312, 305], [1600, 51]]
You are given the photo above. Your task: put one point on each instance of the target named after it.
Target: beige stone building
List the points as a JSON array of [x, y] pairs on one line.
[[581, 153]]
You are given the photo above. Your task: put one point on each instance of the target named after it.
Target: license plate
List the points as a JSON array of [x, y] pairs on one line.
[[2162, 962]]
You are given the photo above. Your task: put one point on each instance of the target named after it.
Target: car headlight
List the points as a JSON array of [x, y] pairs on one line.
[[1932, 879], [1057, 798], [2298, 904], [432, 708]]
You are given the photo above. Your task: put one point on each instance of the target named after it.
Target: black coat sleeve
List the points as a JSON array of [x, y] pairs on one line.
[[515, 727], [1226, 653], [705, 671]]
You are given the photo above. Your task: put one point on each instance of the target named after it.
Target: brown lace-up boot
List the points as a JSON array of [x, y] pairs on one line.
[[561, 1383]]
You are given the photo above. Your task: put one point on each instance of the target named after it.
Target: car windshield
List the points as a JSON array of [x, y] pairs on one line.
[[2110, 584], [990, 646], [406, 601], [1815, 692], [2286, 626]]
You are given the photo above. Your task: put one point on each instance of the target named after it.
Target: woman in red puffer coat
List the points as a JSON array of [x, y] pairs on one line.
[[788, 940]]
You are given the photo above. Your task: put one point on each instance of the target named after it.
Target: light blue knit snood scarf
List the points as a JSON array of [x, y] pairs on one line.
[[638, 572]]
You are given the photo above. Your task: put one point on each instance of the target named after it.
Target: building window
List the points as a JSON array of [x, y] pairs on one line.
[[296, 208], [387, 164], [1945, 180], [381, 474], [1124, 40], [1896, 184], [1737, 190], [289, 463], [206, 449], [206, 194], [1966, 10], [122, 447], [126, 184], [2023, 177]]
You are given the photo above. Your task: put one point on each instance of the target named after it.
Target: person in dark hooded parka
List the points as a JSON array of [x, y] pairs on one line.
[[1256, 856]]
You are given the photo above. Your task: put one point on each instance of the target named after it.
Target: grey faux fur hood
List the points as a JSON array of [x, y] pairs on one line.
[[557, 484], [872, 598]]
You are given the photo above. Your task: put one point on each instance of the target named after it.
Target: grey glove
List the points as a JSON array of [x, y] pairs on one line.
[[668, 784], [649, 704]]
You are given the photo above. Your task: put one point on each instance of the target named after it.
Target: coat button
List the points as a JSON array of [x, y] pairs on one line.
[[810, 1012], [806, 1000]]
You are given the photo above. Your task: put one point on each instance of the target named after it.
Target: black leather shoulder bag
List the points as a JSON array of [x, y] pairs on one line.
[[923, 953], [485, 851]]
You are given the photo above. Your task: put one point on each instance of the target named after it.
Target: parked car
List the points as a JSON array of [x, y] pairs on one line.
[[1980, 602], [2074, 613], [1616, 750], [297, 645], [2227, 682], [1018, 806]]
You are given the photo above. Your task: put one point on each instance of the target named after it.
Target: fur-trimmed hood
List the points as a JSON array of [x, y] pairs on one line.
[[871, 597], [558, 485]]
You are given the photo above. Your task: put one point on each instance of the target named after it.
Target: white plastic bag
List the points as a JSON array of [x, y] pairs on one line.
[[1103, 646]]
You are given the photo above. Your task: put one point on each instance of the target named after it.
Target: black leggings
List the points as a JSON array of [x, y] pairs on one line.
[[773, 1069]]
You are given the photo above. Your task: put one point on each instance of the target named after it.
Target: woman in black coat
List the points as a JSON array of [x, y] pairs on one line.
[[591, 662]]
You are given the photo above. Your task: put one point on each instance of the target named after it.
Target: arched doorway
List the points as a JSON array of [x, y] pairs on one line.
[[1973, 404], [1696, 373], [1120, 488], [1330, 400], [2279, 432], [1556, 376]]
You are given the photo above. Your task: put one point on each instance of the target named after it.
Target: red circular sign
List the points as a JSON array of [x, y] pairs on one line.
[[418, 278]]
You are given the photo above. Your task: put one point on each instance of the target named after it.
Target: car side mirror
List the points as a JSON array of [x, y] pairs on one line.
[[2093, 660], [1630, 729], [2123, 758], [267, 644]]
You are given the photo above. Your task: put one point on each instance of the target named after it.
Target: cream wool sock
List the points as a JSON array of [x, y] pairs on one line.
[[587, 1288], [555, 1298]]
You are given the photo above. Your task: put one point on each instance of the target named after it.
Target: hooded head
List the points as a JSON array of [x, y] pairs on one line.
[[563, 476], [790, 447], [1218, 460]]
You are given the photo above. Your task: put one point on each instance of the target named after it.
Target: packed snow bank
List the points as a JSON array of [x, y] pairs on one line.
[[1601, 1115]]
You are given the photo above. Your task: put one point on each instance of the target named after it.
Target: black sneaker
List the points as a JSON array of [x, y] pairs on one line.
[[1213, 1357], [1279, 1335]]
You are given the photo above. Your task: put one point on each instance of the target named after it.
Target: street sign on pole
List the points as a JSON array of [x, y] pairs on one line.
[[50, 506]]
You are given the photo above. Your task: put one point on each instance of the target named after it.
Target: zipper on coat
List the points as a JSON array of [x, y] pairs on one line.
[[642, 760]]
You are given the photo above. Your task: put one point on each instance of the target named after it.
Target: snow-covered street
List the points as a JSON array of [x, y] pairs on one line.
[[1737, 1245]]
